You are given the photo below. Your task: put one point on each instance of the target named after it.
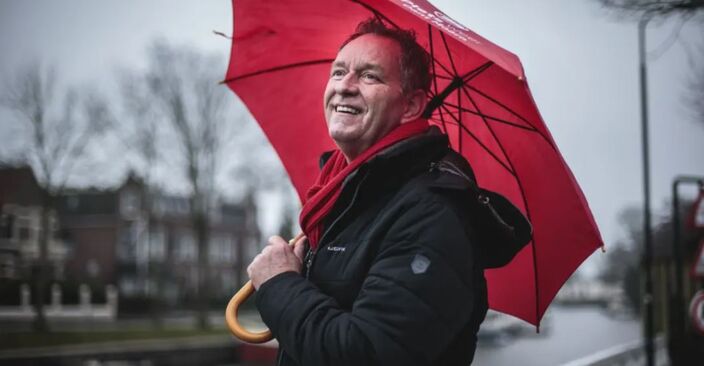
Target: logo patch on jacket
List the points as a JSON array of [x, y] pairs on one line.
[[420, 264], [336, 249]]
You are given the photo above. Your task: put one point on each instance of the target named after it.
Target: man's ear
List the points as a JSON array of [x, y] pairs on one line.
[[415, 106]]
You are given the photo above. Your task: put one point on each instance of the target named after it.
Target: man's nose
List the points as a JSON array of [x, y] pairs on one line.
[[347, 85]]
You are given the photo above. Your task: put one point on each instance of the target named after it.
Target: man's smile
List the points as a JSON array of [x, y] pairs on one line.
[[347, 109]]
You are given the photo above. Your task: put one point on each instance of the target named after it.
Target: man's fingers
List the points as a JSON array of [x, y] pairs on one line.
[[299, 248], [254, 260], [301, 240], [274, 240]]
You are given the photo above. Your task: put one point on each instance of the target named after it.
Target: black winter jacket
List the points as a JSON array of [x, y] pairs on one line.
[[397, 278]]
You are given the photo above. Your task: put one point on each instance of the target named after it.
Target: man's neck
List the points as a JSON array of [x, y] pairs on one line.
[[351, 152]]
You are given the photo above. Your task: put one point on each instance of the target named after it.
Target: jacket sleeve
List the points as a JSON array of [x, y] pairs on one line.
[[416, 298]]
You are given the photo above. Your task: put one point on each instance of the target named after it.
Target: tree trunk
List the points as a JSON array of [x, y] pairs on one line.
[[155, 269], [201, 229], [40, 278]]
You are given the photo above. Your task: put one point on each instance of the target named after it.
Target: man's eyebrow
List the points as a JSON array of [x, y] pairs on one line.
[[369, 66], [364, 66]]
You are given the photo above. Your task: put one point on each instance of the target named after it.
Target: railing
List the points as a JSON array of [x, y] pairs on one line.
[[57, 310]]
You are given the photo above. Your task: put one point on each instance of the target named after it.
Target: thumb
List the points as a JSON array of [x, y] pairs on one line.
[[299, 248]]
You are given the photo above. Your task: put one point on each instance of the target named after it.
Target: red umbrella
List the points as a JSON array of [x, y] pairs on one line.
[[279, 66]]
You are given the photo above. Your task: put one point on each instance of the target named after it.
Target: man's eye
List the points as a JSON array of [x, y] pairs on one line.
[[337, 73], [369, 76]]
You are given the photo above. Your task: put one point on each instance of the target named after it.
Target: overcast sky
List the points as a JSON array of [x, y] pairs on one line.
[[581, 66]]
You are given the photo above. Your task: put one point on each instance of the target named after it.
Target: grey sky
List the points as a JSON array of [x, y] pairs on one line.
[[581, 66]]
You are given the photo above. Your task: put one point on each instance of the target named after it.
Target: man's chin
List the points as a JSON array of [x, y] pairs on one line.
[[343, 137], [345, 131]]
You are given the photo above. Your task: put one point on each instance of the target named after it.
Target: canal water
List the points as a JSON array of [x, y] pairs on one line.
[[567, 333]]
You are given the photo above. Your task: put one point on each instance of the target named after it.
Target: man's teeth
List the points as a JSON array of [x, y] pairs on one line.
[[346, 109]]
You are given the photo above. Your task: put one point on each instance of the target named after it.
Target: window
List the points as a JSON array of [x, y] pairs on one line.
[[157, 245], [23, 227], [24, 233], [129, 204], [186, 247], [127, 245], [7, 222], [7, 266], [220, 249]]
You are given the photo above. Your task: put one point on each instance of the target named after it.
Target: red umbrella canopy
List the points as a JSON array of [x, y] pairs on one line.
[[280, 61]]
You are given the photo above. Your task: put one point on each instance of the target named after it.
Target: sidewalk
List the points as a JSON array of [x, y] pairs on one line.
[[184, 320]]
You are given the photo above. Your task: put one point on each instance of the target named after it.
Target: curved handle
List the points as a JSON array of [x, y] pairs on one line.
[[235, 326], [233, 306]]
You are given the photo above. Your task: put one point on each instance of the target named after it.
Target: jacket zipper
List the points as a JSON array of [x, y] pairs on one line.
[[310, 256]]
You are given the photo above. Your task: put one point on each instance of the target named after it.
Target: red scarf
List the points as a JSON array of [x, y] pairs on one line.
[[321, 197]]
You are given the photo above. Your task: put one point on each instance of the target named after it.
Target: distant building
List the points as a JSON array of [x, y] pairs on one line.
[[141, 241], [144, 241], [20, 226]]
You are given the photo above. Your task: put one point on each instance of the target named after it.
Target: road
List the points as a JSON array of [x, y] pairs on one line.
[[572, 333]]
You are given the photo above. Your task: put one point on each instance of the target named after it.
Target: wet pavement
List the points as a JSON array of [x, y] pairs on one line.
[[569, 333]]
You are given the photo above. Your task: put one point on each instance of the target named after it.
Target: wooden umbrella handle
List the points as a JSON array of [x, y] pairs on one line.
[[231, 317], [232, 311]]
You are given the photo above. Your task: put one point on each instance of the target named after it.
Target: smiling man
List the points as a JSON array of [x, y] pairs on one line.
[[391, 272]]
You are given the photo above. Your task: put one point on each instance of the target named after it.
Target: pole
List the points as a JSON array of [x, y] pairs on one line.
[[647, 229], [678, 333]]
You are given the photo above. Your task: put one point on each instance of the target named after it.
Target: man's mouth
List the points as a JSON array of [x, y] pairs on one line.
[[348, 109]]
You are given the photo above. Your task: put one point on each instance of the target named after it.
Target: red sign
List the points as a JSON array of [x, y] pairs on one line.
[[696, 217], [696, 311], [698, 265]]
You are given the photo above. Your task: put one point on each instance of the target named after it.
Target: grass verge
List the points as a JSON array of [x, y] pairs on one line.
[[31, 339]]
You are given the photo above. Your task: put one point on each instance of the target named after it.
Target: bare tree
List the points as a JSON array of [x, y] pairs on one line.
[[61, 128], [183, 85], [696, 91], [665, 8]]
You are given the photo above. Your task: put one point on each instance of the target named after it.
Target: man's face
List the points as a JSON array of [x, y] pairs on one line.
[[364, 99]]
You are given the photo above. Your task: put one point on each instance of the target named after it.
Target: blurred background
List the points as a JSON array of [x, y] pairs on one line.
[[135, 189]]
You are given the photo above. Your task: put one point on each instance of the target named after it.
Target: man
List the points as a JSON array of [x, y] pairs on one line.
[[394, 270]]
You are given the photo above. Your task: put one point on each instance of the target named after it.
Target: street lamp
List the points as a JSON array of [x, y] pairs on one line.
[[647, 228]]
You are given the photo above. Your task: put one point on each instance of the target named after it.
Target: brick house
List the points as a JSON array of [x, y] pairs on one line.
[[145, 243], [20, 225]]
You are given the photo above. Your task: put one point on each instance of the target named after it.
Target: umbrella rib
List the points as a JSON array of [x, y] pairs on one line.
[[463, 127], [459, 114], [436, 76], [432, 56], [510, 111], [376, 13], [278, 68], [525, 204], [495, 119], [475, 72], [449, 55], [435, 61]]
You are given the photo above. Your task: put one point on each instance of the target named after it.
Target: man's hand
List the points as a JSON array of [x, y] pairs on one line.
[[275, 258]]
